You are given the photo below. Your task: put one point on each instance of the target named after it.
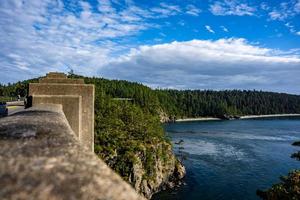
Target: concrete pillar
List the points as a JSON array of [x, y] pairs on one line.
[[76, 98]]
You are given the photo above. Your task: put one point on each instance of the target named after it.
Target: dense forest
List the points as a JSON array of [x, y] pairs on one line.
[[196, 103]]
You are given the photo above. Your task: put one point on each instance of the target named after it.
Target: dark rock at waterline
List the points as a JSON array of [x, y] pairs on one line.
[[229, 117], [296, 155], [179, 142], [297, 143]]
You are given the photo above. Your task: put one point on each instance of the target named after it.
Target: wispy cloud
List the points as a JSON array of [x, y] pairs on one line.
[[209, 29], [166, 10], [285, 10], [264, 6], [224, 28], [231, 7], [291, 28], [45, 35], [297, 7], [192, 10]]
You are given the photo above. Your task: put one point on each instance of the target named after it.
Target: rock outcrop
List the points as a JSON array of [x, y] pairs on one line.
[[165, 118], [166, 173]]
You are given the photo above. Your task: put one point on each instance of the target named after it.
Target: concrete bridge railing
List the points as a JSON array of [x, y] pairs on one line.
[[76, 98], [41, 156]]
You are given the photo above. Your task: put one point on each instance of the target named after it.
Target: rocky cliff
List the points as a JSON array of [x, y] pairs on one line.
[[166, 171], [165, 118]]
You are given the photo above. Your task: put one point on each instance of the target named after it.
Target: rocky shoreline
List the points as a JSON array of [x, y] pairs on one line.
[[168, 173]]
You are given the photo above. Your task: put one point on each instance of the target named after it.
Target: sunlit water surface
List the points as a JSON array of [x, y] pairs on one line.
[[232, 159]]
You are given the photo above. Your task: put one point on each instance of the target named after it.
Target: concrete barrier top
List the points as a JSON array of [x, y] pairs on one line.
[[41, 158]]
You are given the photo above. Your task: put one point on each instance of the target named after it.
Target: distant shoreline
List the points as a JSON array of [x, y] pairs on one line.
[[241, 117], [198, 119], [269, 116]]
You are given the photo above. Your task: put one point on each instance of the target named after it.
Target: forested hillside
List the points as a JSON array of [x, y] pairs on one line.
[[195, 103], [184, 103]]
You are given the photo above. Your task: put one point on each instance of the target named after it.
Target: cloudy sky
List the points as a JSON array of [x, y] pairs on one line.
[[191, 44]]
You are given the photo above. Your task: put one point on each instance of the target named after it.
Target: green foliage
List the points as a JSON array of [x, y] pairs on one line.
[[126, 131], [196, 103], [11, 91], [287, 189]]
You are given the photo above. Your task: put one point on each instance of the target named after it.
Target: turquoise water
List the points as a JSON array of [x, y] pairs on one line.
[[232, 159]]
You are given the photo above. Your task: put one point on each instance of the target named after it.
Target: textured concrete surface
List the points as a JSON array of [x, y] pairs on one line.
[[41, 158], [56, 75], [61, 80], [87, 93], [71, 105]]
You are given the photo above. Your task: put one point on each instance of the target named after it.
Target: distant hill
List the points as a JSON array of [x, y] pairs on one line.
[[196, 103]]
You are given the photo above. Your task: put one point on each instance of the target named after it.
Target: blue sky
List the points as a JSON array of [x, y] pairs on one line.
[[191, 44]]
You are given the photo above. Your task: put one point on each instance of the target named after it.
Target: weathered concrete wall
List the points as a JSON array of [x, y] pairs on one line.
[[61, 80], [41, 158], [56, 75], [63, 87], [71, 105]]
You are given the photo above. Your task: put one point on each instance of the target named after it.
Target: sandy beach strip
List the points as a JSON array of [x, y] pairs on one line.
[[241, 117], [198, 119], [269, 116]]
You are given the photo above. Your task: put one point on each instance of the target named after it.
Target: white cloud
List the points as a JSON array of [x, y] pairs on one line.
[[192, 10], [224, 28], [285, 10], [292, 28], [297, 7], [181, 23], [231, 7], [166, 10], [40, 36], [46, 36], [209, 29], [264, 6], [276, 15], [202, 64], [51, 35]]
